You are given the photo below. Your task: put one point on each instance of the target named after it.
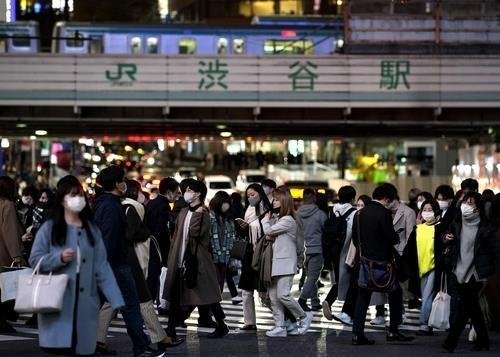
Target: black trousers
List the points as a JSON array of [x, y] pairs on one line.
[[352, 293], [363, 301], [230, 284], [468, 307], [175, 312]]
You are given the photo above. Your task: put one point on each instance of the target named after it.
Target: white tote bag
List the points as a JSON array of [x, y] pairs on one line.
[[440, 313], [8, 281], [38, 293]]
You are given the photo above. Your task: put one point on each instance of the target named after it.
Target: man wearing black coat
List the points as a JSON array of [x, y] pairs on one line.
[[158, 219], [374, 236]]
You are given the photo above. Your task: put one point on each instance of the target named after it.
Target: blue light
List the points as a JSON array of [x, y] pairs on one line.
[[37, 7]]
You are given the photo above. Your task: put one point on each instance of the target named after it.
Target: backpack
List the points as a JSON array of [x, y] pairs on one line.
[[334, 235]]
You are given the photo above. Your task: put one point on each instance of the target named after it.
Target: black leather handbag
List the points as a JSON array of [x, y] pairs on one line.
[[190, 264], [190, 271], [239, 248], [376, 275]]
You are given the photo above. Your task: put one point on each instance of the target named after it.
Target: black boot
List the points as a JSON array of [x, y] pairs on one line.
[[361, 340], [5, 327], [220, 331], [398, 336]]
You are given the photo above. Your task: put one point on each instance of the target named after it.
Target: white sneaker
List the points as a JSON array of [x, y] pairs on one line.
[[472, 335], [305, 323], [378, 321], [344, 318], [327, 311], [276, 332]]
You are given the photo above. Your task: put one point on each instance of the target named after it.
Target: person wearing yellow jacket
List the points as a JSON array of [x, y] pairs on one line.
[[426, 234]]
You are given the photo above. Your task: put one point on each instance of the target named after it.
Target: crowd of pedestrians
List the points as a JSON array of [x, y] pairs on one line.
[[169, 254]]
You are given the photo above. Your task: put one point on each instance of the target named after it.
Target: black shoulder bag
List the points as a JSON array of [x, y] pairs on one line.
[[375, 275]]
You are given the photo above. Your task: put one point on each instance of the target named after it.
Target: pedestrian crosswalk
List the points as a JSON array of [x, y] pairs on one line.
[[234, 319]]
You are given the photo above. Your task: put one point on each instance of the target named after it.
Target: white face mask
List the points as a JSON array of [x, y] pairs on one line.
[[468, 211], [253, 201], [188, 196], [443, 205], [419, 204], [267, 190], [75, 203], [427, 216], [225, 207], [141, 198]]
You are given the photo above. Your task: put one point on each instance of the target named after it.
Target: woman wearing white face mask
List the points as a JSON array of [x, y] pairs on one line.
[[422, 196], [69, 243], [257, 205], [473, 254], [427, 255], [222, 234]]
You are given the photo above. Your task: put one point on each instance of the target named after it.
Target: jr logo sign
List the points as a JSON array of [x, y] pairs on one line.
[[124, 75]]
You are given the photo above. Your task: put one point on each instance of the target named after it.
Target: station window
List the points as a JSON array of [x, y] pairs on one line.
[[222, 45], [96, 45], [75, 39], [152, 44], [135, 45], [238, 46], [187, 46], [288, 47], [21, 40]]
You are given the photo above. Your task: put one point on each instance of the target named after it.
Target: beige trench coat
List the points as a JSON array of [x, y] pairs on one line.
[[207, 289], [11, 245]]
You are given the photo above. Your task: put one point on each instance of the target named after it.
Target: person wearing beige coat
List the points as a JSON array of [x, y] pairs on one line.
[[192, 234], [11, 247]]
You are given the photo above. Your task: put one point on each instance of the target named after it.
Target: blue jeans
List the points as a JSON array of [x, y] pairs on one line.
[[131, 311], [427, 290]]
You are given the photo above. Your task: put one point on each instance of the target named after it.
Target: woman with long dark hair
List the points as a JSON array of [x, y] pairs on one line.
[[222, 234], [473, 252], [69, 243], [257, 205]]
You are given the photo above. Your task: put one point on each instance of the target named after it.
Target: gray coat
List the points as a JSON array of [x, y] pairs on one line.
[[56, 329], [344, 277], [314, 224], [404, 219], [207, 289], [284, 246]]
